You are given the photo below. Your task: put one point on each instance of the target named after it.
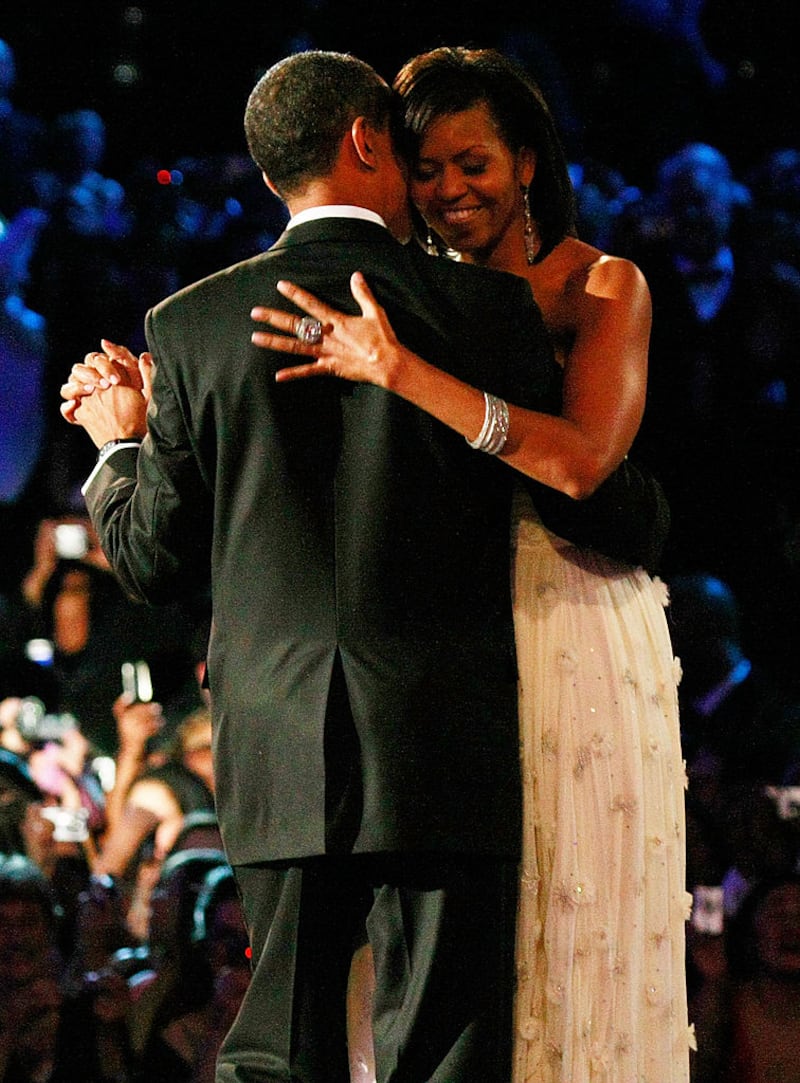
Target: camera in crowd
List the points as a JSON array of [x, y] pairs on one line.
[[37, 726], [71, 541]]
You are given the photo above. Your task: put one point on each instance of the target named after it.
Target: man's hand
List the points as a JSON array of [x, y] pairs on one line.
[[116, 406], [111, 414], [115, 366]]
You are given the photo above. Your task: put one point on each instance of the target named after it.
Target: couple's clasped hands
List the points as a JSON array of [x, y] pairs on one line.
[[108, 392]]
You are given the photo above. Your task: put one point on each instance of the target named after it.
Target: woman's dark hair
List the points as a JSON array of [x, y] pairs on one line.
[[451, 79]]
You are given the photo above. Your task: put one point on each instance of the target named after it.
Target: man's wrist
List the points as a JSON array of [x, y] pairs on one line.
[[106, 451], [111, 445]]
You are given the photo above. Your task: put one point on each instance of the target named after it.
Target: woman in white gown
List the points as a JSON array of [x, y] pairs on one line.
[[601, 994]]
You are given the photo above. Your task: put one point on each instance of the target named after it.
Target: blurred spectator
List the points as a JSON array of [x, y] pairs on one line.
[[53, 804], [739, 731], [138, 725], [220, 938], [703, 387], [23, 354], [748, 1010], [762, 842], [771, 250], [203, 213], [70, 600], [30, 970], [729, 706], [45, 1034], [200, 214], [157, 797], [98, 928], [172, 984], [774, 225], [23, 347], [83, 276], [72, 185], [602, 195], [21, 140], [22, 829], [722, 411]]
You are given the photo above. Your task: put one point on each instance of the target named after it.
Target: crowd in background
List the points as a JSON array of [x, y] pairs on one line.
[[122, 948]]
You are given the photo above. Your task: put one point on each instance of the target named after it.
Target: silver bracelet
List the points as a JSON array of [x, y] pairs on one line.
[[494, 433]]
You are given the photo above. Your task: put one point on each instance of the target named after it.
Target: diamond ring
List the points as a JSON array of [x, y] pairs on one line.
[[309, 331]]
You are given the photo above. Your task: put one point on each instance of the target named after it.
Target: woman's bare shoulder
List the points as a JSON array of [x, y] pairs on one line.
[[590, 270]]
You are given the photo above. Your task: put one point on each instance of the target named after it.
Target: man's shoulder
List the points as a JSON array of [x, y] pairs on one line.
[[295, 250], [218, 282]]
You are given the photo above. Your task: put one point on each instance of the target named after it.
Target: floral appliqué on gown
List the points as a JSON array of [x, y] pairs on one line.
[[601, 986]]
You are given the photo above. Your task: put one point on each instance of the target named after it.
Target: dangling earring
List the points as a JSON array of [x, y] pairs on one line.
[[530, 235], [430, 245]]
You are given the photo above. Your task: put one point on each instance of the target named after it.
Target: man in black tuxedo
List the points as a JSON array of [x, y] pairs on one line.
[[361, 661]]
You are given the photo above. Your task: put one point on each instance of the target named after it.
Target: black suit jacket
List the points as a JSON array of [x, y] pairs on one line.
[[339, 524]]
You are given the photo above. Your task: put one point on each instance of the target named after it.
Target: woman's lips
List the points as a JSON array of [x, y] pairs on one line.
[[457, 216]]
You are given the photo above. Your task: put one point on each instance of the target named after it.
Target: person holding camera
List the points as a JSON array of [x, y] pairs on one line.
[[153, 795], [71, 616]]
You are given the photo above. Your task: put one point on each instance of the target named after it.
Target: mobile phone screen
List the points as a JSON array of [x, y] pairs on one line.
[[137, 683]]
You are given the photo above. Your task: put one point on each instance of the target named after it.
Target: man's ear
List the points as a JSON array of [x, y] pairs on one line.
[[271, 186], [361, 138]]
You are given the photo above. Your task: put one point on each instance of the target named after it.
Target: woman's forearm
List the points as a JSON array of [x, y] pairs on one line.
[[551, 450]]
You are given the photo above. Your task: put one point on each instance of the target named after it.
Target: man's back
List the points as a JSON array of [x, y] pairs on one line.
[[347, 526]]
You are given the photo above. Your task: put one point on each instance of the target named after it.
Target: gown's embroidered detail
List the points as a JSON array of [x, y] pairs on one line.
[[601, 994]]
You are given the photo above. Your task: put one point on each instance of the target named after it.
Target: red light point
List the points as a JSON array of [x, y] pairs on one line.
[[248, 953], [164, 176]]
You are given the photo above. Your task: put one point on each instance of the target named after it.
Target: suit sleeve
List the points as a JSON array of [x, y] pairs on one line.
[[152, 509], [627, 518]]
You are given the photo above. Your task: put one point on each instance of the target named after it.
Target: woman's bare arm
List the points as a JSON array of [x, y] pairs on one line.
[[604, 380]]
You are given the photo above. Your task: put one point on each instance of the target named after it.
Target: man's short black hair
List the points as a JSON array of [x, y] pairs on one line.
[[301, 108]]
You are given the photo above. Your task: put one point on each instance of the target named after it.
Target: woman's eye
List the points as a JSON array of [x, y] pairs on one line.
[[474, 170]]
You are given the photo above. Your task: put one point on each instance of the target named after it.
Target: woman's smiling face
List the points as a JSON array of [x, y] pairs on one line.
[[467, 184]]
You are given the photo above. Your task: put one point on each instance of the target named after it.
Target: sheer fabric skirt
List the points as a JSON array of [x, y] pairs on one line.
[[601, 993]]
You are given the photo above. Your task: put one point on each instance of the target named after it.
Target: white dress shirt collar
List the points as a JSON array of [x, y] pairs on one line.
[[344, 210]]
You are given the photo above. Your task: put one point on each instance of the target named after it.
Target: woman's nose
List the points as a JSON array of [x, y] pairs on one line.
[[451, 184]]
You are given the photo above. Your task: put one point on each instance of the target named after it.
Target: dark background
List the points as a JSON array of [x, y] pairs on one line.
[[628, 89], [624, 92]]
